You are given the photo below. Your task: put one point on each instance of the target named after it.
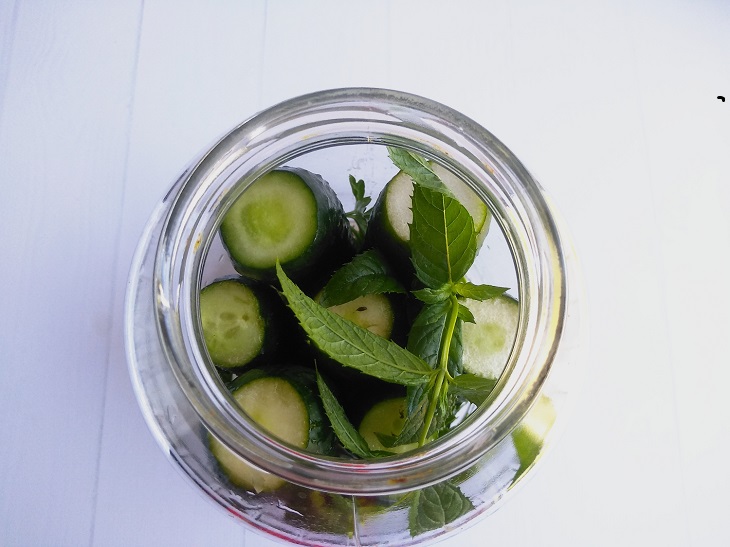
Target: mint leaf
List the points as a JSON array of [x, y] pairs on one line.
[[473, 388], [417, 168], [417, 407], [436, 506], [427, 331], [344, 430], [359, 216], [433, 296], [351, 345], [477, 292], [465, 314], [443, 241], [367, 273]]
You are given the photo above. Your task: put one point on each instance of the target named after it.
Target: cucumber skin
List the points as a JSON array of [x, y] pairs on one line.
[[283, 337], [380, 236], [332, 245]]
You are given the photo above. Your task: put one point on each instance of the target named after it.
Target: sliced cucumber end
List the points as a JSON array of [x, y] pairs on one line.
[[276, 218], [488, 342], [278, 407], [372, 312], [233, 327], [385, 418], [529, 437]]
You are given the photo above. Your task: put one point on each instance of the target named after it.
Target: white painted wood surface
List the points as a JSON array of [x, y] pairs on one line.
[[612, 105]]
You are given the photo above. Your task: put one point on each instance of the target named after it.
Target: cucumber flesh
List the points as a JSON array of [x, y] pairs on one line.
[[275, 218], [372, 312], [233, 326], [400, 192], [529, 436], [488, 342], [289, 215], [277, 406], [385, 418]]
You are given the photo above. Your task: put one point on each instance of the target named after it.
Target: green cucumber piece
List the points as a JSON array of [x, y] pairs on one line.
[[389, 229], [277, 406], [487, 344], [234, 327], [529, 436], [290, 215], [246, 324], [385, 418], [373, 312]]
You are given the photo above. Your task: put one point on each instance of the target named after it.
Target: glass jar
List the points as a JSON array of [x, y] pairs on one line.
[[331, 501]]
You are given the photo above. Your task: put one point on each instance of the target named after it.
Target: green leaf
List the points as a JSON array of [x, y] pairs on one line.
[[465, 314], [477, 292], [473, 388], [417, 406], [367, 273], [443, 241], [417, 168], [427, 331], [344, 430], [351, 345], [388, 441], [433, 296], [436, 506], [359, 215]]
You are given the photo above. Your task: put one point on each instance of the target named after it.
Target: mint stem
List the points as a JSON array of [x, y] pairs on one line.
[[443, 363]]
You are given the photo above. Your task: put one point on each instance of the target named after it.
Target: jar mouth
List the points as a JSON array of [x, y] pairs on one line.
[[336, 118]]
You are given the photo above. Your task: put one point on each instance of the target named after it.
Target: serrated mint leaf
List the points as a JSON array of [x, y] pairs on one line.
[[388, 441], [436, 506], [417, 405], [427, 331], [352, 345], [473, 388], [367, 273], [465, 314], [477, 292], [443, 241], [433, 296], [417, 168], [359, 216], [344, 430]]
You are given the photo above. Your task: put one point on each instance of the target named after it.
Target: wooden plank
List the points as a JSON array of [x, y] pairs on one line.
[[63, 144], [198, 75]]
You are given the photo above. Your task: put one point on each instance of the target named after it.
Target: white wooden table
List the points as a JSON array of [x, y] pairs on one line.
[[612, 105]]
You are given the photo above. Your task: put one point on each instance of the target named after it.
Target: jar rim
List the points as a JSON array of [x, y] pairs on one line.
[[350, 116]]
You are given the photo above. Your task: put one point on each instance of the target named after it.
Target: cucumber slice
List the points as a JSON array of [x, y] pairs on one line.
[[385, 418], [245, 324], [277, 406], [529, 437], [373, 312], [389, 229], [233, 325], [291, 215], [488, 342]]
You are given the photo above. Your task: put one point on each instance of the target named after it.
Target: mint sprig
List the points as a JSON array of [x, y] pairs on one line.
[[443, 247], [360, 215]]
